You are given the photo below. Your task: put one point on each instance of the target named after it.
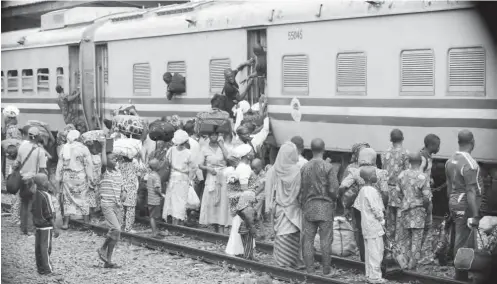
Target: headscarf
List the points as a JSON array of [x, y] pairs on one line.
[[356, 148], [242, 151], [284, 176], [62, 135], [180, 137], [71, 137], [11, 112], [175, 121], [367, 157]]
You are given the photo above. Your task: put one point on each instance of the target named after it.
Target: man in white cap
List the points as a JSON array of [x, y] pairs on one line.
[[31, 159]]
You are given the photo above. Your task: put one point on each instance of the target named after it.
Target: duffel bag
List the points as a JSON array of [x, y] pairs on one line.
[[127, 147], [45, 132], [129, 125], [93, 135], [214, 121], [178, 84], [161, 130], [14, 180], [343, 238]]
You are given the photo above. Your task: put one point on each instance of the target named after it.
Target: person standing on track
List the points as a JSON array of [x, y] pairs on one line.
[[112, 196], [432, 146], [319, 190], [394, 161], [44, 220], [463, 187]]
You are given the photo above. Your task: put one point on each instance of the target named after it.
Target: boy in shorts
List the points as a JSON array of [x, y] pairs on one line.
[[155, 194]]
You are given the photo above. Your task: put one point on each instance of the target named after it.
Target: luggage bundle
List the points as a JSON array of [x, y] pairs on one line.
[[177, 85], [129, 125], [161, 130], [127, 147], [93, 135], [45, 132], [213, 121], [343, 238]]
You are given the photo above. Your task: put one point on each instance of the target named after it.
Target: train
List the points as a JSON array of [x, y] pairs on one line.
[[344, 71]]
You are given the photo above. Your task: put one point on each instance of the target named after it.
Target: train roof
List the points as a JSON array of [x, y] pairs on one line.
[[60, 27], [201, 16]]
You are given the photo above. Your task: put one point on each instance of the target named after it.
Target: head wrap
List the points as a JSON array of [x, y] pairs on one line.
[[242, 151], [284, 177], [10, 111], [367, 157], [33, 131], [356, 148], [180, 137], [71, 137]]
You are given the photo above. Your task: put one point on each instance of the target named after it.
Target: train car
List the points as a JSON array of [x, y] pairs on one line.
[[34, 61], [345, 71]]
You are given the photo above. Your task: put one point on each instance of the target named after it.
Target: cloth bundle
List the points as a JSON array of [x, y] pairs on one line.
[[93, 135], [45, 132], [343, 238], [161, 130], [127, 147], [129, 125]]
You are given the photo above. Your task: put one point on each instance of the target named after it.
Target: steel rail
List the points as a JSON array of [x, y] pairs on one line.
[[396, 274], [214, 257]]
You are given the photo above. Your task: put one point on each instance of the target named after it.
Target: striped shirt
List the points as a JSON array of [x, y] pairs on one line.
[[153, 188], [111, 186]]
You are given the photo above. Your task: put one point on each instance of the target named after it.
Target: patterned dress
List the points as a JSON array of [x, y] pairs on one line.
[[414, 187], [97, 174], [71, 112], [130, 172], [16, 201], [427, 250], [394, 161]]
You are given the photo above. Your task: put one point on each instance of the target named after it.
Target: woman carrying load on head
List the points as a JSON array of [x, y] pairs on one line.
[[74, 173], [282, 191], [215, 206], [182, 170], [11, 130]]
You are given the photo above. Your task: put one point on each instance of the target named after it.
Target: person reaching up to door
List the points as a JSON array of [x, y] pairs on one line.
[[231, 88], [259, 74], [70, 111]]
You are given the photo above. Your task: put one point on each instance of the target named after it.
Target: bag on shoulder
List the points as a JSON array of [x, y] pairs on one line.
[[14, 180]]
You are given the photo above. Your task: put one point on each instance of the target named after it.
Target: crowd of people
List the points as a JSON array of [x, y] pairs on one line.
[[220, 169]]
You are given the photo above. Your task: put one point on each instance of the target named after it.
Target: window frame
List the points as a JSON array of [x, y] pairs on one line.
[[183, 74], [211, 91], [351, 93], [42, 89], [60, 76], [10, 77], [142, 94], [417, 93], [289, 92], [24, 89], [467, 93]]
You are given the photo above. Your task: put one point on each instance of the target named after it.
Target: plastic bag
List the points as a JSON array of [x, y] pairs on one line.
[[343, 238], [192, 202]]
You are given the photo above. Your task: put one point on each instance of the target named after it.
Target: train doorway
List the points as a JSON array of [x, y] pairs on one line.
[[256, 38], [74, 73]]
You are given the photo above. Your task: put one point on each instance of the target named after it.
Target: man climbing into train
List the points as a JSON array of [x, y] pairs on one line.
[[176, 84]]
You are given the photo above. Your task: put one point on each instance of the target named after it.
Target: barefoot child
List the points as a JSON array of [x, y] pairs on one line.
[[246, 211], [154, 195], [111, 201], [372, 222], [44, 221]]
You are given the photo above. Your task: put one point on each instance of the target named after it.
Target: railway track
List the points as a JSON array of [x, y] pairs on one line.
[[218, 257]]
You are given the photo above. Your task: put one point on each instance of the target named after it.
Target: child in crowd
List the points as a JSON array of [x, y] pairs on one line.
[[155, 194], [372, 222], [415, 187], [9, 151], [112, 194], [44, 221], [245, 209]]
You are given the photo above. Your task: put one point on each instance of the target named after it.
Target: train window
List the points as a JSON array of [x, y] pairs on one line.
[[177, 67], [2, 82], [466, 71], [12, 81], [27, 81], [351, 73], [60, 76], [141, 79], [417, 72], [216, 73], [295, 74], [43, 80]]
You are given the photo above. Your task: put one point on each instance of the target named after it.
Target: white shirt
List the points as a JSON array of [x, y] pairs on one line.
[[302, 161], [196, 156], [259, 138], [243, 172], [371, 212]]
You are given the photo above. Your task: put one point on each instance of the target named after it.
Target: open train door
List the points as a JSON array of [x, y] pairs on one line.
[[255, 37]]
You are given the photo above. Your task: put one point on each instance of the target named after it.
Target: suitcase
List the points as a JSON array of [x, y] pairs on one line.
[[214, 121]]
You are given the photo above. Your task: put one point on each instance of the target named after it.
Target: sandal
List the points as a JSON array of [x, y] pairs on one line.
[[111, 265]]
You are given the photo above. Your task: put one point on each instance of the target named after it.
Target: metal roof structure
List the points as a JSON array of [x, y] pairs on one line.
[[17, 15]]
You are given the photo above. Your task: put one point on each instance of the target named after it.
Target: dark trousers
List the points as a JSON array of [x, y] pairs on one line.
[[26, 215], [43, 249], [325, 237], [462, 240], [358, 233], [248, 246]]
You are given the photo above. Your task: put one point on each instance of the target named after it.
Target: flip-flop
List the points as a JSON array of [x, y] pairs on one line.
[[111, 265]]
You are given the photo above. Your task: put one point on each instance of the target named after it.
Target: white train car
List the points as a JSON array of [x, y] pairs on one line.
[[355, 69]]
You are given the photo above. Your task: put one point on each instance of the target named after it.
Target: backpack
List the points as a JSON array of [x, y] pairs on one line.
[[14, 180]]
